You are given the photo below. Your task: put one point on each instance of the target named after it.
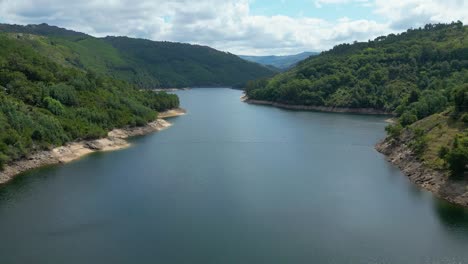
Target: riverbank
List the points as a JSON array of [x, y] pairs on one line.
[[437, 182], [170, 89], [115, 140], [367, 111], [172, 113]]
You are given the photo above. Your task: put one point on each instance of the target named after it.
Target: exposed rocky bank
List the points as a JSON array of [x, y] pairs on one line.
[[116, 139], [368, 111], [437, 182]]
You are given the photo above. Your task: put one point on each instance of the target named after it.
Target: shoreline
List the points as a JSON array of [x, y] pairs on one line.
[[397, 153], [172, 113], [436, 182], [115, 140], [330, 109], [170, 89]]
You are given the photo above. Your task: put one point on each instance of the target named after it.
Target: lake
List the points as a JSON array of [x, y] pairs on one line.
[[233, 183]]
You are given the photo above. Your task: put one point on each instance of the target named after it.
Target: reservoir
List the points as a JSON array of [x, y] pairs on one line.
[[232, 183]]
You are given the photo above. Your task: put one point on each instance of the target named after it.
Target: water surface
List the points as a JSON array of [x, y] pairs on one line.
[[232, 183]]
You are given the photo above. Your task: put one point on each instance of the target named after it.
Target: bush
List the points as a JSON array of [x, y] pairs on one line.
[[419, 143], [464, 118], [64, 93], [443, 151], [394, 130], [407, 118], [457, 160], [54, 106], [3, 160], [461, 98], [457, 157]]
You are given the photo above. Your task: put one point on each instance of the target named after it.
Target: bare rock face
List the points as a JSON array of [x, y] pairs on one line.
[[437, 182]]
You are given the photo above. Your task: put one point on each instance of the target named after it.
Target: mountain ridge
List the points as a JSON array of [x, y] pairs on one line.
[[147, 63]]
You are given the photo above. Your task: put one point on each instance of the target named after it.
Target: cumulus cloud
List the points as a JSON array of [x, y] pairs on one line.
[[415, 13], [229, 25]]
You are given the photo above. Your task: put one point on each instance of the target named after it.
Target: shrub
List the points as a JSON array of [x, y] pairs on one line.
[[457, 160], [464, 118], [443, 151], [3, 160], [407, 118], [54, 106], [394, 130], [419, 143]]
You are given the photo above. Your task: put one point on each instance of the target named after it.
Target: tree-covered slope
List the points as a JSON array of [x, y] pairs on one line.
[[387, 73], [149, 64], [45, 104], [42, 29], [180, 64], [440, 140], [280, 62], [414, 74]]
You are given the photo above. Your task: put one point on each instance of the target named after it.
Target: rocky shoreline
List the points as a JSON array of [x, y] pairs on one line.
[[437, 182], [367, 111], [115, 140], [170, 89]]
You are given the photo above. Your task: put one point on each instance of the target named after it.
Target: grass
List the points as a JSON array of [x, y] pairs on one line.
[[440, 130]]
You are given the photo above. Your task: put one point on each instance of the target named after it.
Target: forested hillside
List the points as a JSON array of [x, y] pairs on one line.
[[414, 74], [148, 64], [45, 102], [179, 64]]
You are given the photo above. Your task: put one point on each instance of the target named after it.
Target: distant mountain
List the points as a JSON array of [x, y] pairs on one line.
[[146, 63], [280, 62]]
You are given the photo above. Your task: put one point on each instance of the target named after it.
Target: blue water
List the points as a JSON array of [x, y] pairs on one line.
[[232, 183]]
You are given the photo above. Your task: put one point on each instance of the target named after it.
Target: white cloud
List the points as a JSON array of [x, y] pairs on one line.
[[415, 13], [228, 24], [320, 3]]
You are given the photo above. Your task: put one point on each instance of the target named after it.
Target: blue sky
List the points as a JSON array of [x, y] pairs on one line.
[[308, 8], [250, 27]]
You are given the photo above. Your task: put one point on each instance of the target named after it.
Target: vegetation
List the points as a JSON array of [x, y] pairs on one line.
[[457, 158], [148, 64], [421, 75], [45, 104], [439, 140], [412, 72]]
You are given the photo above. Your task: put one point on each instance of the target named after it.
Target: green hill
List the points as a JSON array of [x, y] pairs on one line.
[[149, 64], [179, 64], [45, 101], [414, 74]]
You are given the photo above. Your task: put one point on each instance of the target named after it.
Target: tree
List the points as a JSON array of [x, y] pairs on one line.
[[407, 119], [461, 98], [457, 160]]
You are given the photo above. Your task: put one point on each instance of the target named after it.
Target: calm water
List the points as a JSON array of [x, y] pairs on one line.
[[232, 183]]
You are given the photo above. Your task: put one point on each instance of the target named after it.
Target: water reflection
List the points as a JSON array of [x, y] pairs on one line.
[[453, 218], [24, 182]]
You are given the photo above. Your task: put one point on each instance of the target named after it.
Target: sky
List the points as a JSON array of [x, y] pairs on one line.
[[247, 27]]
